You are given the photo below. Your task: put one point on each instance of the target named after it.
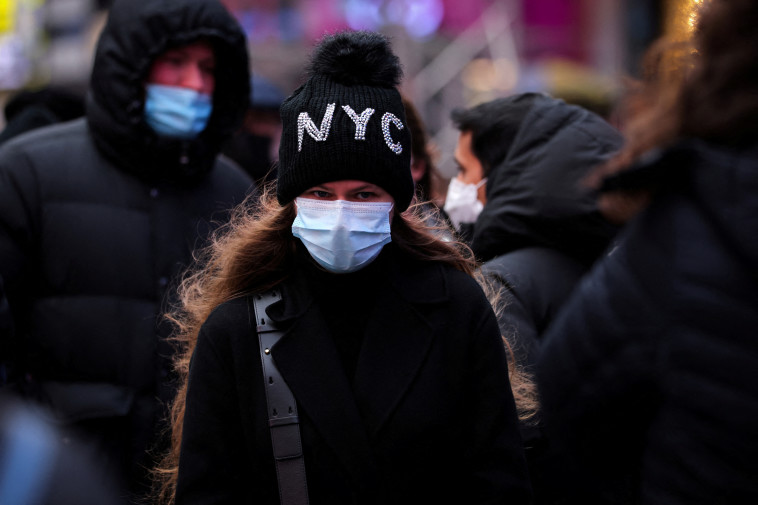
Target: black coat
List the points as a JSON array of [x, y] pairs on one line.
[[428, 418], [535, 197], [98, 216], [649, 374], [541, 231]]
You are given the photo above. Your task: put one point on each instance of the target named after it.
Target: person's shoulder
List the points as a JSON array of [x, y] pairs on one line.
[[60, 134], [231, 179], [47, 148], [49, 156], [227, 168], [233, 313], [455, 283], [533, 263]]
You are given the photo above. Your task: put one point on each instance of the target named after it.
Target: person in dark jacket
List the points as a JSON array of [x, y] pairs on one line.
[[255, 145], [425, 175], [389, 345], [41, 464], [38, 462], [539, 228], [649, 374], [30, 109], [99, 215]]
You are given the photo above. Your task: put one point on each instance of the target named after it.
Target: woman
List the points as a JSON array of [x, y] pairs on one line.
[[389, 345], [648, 376]]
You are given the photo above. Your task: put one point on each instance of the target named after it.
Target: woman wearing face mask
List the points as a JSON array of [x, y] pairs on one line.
[[389, 346]]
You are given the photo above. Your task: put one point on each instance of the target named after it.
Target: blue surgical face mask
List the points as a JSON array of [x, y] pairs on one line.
[[172, 111], [342, 236]]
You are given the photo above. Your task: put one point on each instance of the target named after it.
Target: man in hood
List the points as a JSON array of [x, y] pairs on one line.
[[100, 215], [519, 200]]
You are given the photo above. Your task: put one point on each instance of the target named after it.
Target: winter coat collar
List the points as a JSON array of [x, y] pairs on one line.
[[396, 343], [138, 31]]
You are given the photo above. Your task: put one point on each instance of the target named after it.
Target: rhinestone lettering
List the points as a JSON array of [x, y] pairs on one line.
[[305, 123], [360, 121], [388, 118]]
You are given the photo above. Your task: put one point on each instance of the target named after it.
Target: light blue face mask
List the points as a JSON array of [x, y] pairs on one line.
[[342, 236], [172, 111]]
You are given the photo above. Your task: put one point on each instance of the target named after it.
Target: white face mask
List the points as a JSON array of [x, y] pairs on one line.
[[342, 236], [461, 203]]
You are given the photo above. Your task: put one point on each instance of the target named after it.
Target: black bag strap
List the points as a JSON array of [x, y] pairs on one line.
[[282, 410]]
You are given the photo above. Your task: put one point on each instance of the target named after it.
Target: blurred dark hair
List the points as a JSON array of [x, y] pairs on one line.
[[720, 101], [704, 88], [493, 126], [427, 188]]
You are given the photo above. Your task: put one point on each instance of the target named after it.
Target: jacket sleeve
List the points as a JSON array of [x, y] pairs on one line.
[[212, 464]]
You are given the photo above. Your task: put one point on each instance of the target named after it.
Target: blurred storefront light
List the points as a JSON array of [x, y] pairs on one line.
[[420, 18], [7, 15], [692, 18], [681, 17], [20, 40], [485, 75]]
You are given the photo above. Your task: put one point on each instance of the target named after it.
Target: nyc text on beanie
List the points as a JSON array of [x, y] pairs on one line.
[[347, 122]]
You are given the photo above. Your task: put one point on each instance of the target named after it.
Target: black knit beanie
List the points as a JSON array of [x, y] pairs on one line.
[[347, 122]]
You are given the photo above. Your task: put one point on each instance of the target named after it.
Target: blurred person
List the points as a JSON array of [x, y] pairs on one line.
[[519, 196], [426, 178], [522, 160], [649, 375], [425, 175], [254, 147], [390, 347], [100, 214], [39, 465], [30, 109]]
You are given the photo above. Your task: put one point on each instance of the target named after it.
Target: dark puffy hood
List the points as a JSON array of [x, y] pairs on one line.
[[138, 31], [535, 196]]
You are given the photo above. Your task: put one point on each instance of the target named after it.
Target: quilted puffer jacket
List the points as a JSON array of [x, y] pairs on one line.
[[99, 216]]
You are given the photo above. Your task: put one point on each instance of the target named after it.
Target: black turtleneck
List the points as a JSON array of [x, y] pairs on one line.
[[346, 301]]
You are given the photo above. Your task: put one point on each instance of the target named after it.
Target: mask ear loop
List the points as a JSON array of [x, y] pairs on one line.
[[481, 183]]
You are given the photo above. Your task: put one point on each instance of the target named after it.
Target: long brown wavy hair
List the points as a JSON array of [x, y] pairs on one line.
[[253, 252], [702, 88]]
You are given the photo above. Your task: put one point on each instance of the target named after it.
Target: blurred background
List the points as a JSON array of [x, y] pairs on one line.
[[455, 53]]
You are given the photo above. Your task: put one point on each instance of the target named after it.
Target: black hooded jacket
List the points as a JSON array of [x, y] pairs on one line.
[[98, 216], [650, 370], [535, 197], [540, 230]]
